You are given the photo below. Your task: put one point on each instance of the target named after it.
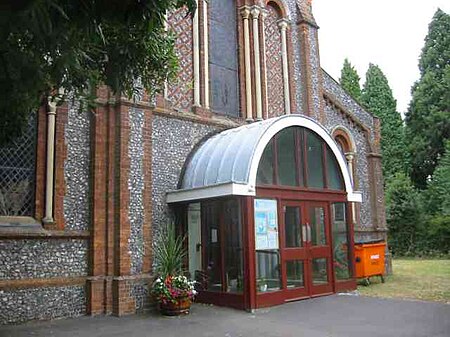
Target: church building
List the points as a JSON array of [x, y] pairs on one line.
[[254, 152]]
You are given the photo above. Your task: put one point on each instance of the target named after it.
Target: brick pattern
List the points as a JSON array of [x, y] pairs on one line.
[[60, 158], [123, 302], [180, 91], [274, 64], [40, 164]]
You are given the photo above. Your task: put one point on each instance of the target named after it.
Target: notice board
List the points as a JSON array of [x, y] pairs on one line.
[[266, 224]]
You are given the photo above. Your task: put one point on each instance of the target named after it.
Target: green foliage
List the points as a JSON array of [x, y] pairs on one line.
[[169, 253], [377, 97], [428, 116], [350, 80], [438, 191], [404, 215], [77, 45], [438, 234]]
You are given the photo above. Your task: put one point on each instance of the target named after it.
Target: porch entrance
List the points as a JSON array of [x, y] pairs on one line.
[[266, 210]]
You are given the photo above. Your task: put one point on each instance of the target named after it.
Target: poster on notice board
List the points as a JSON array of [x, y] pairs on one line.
[[266, 224]]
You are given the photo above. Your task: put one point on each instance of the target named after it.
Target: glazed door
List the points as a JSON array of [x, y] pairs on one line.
[[294, 252], [306, 252], [319, 248]]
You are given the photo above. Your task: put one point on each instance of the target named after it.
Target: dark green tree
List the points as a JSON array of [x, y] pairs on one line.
[[404, 213], [428, 116], [438, 205], [438, 192], [350, 80], [377, 97], [76, 45]]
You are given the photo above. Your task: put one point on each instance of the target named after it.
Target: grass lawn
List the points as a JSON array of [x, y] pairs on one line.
[[427, 280]]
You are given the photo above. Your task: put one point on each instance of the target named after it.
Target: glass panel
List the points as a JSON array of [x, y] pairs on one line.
[[267, 270], [314, 159], [194, 238], [292, 227], [340, 241], [286, 157], [233, 246], [266, 244], [265, 168], [212, 247], [266, 224], [320, 271], [301, 159], [317, 223], [333, 172], [294, 274]]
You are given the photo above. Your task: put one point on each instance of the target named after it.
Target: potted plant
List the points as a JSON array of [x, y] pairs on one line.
[[173, 291]]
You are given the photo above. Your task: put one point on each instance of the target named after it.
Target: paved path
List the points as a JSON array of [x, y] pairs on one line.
[[332, 316]]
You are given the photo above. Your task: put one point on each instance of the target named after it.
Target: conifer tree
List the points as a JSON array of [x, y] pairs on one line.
[[350, 80], [428, 116], [377, 97]]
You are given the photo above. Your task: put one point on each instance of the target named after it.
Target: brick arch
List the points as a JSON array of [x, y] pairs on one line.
[[279, 7], [343, 137]]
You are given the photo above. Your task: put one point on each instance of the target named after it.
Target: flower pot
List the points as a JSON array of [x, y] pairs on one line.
[[181, 307]]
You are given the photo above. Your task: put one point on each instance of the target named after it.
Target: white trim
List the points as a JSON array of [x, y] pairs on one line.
[[209, 192], [355, 196], [297, 120]]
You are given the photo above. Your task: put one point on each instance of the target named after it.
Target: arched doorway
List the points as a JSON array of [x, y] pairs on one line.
[[265, 209]]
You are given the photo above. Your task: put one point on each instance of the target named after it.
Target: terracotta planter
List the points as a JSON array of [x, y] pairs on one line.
[[181, 307]]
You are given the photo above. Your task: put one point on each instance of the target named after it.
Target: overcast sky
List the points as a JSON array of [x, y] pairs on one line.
[[389, 33]]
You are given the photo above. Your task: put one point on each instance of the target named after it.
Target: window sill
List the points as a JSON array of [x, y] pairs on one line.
[[27, 227], [11, 222]]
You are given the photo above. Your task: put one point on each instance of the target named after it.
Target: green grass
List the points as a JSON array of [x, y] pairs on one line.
[[427, 280]]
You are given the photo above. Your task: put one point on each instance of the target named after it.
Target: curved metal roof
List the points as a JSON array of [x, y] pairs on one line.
[[227, 163]]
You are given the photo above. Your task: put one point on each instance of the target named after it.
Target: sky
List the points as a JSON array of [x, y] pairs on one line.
[[389, 33]]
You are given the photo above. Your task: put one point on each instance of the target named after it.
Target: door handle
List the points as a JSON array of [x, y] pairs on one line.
[[308, 228], [304, 234]]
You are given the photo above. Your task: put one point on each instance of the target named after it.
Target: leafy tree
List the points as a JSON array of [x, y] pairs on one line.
[[377, 97], [350, 80], [438, 192], [76, 45], [428, 116], [404, 215]]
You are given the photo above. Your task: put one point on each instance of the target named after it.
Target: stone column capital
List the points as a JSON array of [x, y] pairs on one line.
[[283, 24], [255, 12], [350, 156], [245, 12]]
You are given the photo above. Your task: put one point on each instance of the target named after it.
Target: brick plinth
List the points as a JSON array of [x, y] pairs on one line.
[[110, 285], [123, 303]]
